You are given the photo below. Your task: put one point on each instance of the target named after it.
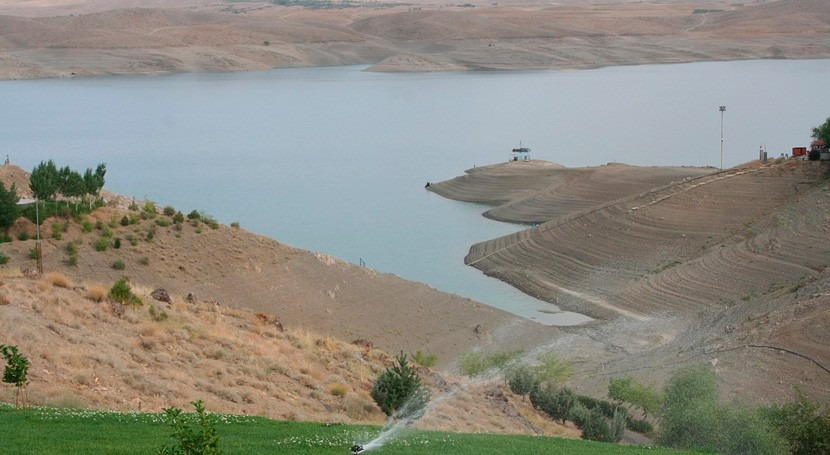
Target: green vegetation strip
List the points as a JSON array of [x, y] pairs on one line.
[[70, 431]]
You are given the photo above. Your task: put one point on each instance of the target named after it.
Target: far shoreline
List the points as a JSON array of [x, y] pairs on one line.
[[368, 68]]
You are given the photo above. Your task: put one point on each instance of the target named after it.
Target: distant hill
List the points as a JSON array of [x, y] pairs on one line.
[[105, 37]]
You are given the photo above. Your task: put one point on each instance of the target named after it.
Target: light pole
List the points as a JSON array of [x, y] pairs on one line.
[[722, 110]]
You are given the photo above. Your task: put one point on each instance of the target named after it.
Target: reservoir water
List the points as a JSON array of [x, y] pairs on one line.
[[335, 159]]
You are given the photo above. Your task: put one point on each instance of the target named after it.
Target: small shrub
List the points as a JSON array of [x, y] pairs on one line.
[[106, 232], [398, 390], [424, 360], [116, 244], [163, 222], [194, 215], [144, 260], [119, 264], [178, 218], [3, 258], [101, 244], [72, 254], [122, 293], [210, 221], [113, 221], [639, 426], [149, 209], [32, 253], [157, 314], [5, 238], [125, 220], [17, 366], [99, 225], [132, 239], [86, 226], [338, 390], [168, 210], [57, 229], [192, 437], [474, 363], [235, 225], [23, 236], [133, 206]]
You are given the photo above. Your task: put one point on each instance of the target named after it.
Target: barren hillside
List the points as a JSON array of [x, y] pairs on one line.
[[251, 326], [60, 39], [238, 269], [707, 264]]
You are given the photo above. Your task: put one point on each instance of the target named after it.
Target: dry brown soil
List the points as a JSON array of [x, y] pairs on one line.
[[99, 37], [727, 267]]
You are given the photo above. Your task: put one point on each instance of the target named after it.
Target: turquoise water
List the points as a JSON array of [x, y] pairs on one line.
[[335, 159]]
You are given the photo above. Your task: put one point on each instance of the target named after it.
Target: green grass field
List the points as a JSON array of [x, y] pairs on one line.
[[69, 431]]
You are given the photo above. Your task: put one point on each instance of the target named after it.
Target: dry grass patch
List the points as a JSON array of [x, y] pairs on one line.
[[338, 390], [96, 293], [57, 279]]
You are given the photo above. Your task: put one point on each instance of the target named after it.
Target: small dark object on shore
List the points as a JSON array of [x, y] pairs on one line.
[[357, 448]]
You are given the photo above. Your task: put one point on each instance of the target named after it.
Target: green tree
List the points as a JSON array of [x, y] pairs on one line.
[[398, 390], [71, 183], [192, 438], [8, 206], [596, 428], [628, 390], [692, 418], [553, 401], [618, 424], [94, 181], [44, 180], [822, 132], [551, 368], [522, 380], [17, 366], [804, 424]]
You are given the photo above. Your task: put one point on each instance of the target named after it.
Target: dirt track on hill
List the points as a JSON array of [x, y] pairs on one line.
[[49, 39], [728, 267]]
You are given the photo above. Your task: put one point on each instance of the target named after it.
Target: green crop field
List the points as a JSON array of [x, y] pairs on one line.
[[68, 431]]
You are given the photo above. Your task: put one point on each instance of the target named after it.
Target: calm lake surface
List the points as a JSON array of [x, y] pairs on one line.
[[335, 159]]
